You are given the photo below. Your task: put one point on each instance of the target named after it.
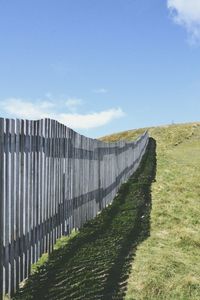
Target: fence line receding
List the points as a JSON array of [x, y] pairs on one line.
[[52, 180]]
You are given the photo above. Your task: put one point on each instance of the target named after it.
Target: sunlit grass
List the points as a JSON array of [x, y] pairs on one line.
[[167, 264]]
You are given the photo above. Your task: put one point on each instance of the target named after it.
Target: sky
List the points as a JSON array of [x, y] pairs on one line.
[[100, 66]]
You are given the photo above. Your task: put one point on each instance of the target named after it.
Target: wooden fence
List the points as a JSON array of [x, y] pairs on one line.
[[52, 180]]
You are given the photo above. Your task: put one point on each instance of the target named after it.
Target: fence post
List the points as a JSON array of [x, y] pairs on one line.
[[1, 203]]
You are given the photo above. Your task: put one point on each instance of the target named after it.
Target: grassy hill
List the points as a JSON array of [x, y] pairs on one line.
[[167, 264], [146, 245]]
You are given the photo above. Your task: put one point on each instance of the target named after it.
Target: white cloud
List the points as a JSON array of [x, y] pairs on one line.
[[18, 108], [187, 14], [47, 104], [100, 91], [25, 109], [91, 120], [73, 103]]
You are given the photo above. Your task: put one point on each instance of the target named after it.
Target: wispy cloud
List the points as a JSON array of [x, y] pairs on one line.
[[187, 14], [73, 103], [19, 108], [100, 91], [91, 120], [16, 107]]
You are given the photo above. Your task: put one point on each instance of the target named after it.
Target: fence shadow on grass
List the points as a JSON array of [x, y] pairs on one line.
[[117, 281], [96, 263]]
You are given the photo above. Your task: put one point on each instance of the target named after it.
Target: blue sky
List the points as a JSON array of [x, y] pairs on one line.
[[100, 66]]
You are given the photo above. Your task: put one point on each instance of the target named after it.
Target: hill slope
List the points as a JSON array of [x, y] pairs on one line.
[[167, 264]]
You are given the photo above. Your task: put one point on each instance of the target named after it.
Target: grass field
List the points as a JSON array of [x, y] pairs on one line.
[[167, 264]]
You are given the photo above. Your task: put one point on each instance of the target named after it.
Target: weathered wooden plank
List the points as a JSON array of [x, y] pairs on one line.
[[69, 181], [45, 188], [32, 204], [28, 198], [52, 124], [56, 181], [42, 160], [39, 188], [17, 201], [62, 180], [37, 192], [12, 204], [63, 164], [1, 203], [50, 187], [21, 195], [32, 191], [7, 207], [25, 200], [72, 179], [40, 195]]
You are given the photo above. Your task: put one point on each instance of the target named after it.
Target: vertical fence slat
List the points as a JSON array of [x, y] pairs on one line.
[[37, 192], [7, 206], [12, 205], [26, 188], [40, 186], [57, 177], [33, 193], [30, 221], [1, 202], [17, 208], [48, 186], [45, 184], [28, 197]]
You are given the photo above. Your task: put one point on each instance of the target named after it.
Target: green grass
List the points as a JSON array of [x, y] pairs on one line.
[[95, 262], [167, 264]]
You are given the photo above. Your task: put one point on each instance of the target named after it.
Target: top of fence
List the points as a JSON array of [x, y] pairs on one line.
[[53, 122]]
